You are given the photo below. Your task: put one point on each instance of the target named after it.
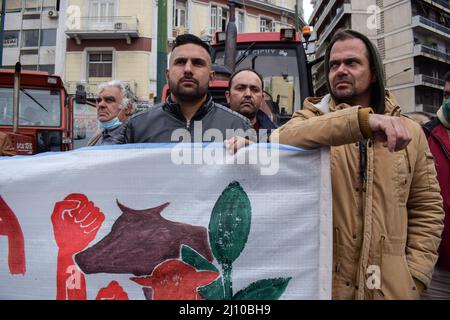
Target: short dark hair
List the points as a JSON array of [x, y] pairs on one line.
[[447, 77], [190, 38], [246, 69]]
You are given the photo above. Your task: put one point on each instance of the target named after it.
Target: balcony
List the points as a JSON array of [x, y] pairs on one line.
[[92, 87], [428, 108], [441, 4], [419, 21], [424, 80], [104, 28], [340, 12], [420, 49]]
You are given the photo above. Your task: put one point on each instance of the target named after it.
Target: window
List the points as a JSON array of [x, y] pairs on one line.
[[30, 38], [180, 18], [179, 14], [48, 37], [50, 68], [11, 39], [29, 67], [240, 21], [102, 8], [13, 6], [100, 64], [30, 109], [219, 19], [213, 21], [266, 25], [32, 5]]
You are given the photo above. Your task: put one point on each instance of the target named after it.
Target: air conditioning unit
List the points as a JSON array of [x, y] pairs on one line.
[[52, 14], [118, 26]]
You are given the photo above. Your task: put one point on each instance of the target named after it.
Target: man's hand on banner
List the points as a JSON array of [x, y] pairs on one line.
[[76, 222], [235, 143]]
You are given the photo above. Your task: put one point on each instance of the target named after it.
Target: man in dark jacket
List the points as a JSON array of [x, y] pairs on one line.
[[189, 111], [438, 133], [245, 95]]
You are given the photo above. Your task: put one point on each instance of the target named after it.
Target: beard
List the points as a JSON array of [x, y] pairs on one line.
[[247, 112], [190, 94]]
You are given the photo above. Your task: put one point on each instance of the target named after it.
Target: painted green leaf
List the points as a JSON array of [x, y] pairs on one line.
[[230, 224], [267, 289], [213, 291], [195, 259]]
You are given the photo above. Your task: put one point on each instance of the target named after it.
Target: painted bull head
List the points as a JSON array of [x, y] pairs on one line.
[[139, 240]]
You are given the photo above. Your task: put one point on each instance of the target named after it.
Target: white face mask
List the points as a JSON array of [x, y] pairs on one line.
[[110, 124]]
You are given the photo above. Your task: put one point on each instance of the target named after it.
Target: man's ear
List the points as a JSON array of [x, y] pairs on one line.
[[227, 95], [128, 109], [212, 76], [167, 76]]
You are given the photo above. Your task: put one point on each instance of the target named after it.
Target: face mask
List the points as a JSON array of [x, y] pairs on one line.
[[446, 109], [111, 124]]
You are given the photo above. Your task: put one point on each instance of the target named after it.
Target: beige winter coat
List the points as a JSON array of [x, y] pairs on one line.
[[392, 222]]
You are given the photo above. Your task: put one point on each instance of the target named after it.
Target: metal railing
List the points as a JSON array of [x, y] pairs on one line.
[[420, 48], [113, 24], [421, 78], [345, 8], [432, 24], [443, 3]]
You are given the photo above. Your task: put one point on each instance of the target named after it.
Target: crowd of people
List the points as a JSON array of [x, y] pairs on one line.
[[390, 176]]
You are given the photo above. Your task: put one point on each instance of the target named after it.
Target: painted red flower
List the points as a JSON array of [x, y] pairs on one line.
[[176, 280], [112, 292]]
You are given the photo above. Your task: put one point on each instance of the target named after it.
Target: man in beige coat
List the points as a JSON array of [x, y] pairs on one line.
[[387, 210]]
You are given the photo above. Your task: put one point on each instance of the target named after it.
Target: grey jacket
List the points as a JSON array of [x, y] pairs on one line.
[[104, 137], [166, 123]]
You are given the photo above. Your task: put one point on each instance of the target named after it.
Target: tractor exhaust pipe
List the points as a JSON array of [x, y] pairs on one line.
[[231, 37], [16, 97]]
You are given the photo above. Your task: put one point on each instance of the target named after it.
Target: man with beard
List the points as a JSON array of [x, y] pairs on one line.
[[189, 110], [245, 96], [387, 210]]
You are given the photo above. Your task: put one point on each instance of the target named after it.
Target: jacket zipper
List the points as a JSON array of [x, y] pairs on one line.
[[363, 163]]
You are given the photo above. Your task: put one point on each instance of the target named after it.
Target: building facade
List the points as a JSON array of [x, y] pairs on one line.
[[30, 35], [91, 41], [412, 37], [110, 39], [203, 17]]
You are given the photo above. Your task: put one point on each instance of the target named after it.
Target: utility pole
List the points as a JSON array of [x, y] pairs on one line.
[[2, 31], [297, 22], [161, 50]]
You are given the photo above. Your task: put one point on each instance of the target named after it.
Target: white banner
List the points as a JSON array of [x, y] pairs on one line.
[[160, 221]]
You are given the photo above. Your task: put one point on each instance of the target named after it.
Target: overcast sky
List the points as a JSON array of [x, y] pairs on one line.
[[307, 8]]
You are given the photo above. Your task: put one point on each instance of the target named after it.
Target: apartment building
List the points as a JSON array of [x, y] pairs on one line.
[[412, 36], [110, 39], [30, 34], [204, 18]]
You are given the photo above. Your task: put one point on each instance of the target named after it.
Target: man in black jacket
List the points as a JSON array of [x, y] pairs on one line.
[[189, 111]]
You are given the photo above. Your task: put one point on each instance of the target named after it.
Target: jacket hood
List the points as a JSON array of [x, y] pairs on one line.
[[327, 103], [378, 88]]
